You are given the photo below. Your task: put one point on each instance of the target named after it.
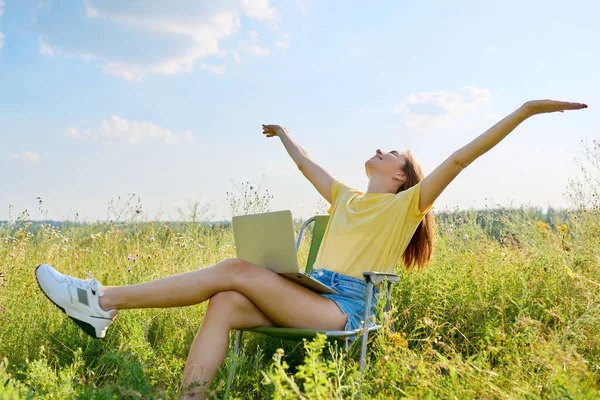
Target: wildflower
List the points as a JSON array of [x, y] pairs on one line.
[[12, 255], [200, 246], [65, 240], [467, 236], [152, 238], [398, 340], [183, 245], [564, 228], [131, 258], [105, 253], [542, 226]]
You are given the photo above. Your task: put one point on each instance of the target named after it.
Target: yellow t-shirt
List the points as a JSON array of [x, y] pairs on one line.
[[368, 232]]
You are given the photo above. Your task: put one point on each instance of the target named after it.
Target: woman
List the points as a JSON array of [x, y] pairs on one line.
[[390, 220]]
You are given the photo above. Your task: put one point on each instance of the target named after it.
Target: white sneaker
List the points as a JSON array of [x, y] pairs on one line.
[[75, 297]]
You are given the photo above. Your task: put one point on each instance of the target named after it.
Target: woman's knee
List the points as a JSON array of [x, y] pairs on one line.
[[234, 310], [228, 302], [239, 271]]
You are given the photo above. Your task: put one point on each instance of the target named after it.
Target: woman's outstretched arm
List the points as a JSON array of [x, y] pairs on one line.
[[317, 175], [435, 183]]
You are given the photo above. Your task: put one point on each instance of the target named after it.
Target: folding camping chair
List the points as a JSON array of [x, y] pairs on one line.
[[371, 278]]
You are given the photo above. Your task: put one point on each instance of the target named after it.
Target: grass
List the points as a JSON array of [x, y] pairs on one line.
[[508, 309], [489, 318]]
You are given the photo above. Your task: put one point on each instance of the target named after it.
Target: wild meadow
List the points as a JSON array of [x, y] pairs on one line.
[[508, 309]]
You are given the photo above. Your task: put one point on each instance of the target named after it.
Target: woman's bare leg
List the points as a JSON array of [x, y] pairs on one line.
[[226, 311], [284, 302], [173, 291]]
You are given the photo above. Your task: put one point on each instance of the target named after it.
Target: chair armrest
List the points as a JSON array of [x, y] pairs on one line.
[[301, 233], [378, 277]]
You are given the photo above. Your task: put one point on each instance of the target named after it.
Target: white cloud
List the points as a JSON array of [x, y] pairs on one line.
[[127, 72], [256, 50], [259, 10], [215, 69], [1, 40], [253, 34], [236, 57], [282, 45], [90, 11], [48, 50], [428, 109], [188, 135], [1, 8], [176, 38], [72, 132], [29, 156], [45, 48], [117, 129]]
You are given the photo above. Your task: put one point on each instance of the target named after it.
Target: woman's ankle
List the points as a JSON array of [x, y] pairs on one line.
[[104, 299]]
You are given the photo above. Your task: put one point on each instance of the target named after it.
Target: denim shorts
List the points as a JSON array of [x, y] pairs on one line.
[[351, 296]]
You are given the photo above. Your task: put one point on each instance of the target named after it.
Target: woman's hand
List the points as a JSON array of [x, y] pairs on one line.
[[274, 130], [548, 106]]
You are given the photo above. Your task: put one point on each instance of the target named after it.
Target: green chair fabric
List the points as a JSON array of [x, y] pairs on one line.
[[318, 234]]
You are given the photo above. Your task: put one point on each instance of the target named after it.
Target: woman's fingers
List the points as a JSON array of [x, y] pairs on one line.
[[549, 106], [269, 130], [566, 105]]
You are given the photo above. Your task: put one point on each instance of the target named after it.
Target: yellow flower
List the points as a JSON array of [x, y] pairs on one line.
[[398, 340], [542, 226]]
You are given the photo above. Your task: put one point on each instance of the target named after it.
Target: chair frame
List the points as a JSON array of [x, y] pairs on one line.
[[371, 278]]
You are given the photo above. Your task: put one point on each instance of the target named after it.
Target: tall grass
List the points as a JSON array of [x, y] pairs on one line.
[[513, 313]]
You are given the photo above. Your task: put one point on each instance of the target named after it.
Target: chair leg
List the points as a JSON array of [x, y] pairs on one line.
[[388, 306], [236, 350], [365, 334]]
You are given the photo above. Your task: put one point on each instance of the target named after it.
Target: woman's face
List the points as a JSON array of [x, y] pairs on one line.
[[385, 164]]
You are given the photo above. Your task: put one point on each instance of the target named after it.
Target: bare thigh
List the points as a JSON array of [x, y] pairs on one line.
[[286, 303]]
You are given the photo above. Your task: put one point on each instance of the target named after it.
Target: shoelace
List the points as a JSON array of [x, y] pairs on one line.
[[93, 282], [87, 284]]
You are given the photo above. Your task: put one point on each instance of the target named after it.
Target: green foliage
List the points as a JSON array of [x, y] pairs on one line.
[[248, 199], [508, 312], [318, 377]]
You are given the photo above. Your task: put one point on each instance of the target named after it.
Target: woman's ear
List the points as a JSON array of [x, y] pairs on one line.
[[400, 177]]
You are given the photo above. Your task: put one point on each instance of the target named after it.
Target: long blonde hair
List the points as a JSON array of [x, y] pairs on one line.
[[420, 248]]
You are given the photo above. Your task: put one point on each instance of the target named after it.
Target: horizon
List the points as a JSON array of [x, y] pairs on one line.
[[437, 213], [105, 99]]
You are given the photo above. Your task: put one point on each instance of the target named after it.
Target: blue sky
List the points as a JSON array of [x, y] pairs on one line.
[[99, 99]]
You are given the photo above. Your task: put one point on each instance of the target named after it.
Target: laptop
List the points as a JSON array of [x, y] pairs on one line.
[[267, 240]]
